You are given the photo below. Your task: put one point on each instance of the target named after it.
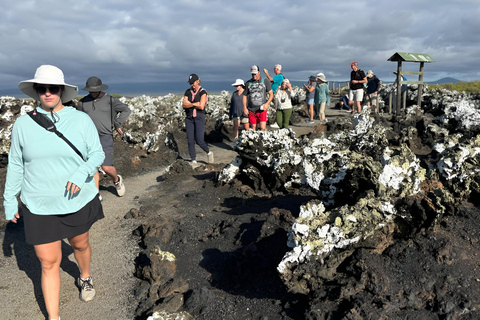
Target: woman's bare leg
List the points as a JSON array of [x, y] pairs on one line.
[[50, 256]]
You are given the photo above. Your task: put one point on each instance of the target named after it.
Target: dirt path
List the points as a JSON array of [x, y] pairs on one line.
[[114, 250]]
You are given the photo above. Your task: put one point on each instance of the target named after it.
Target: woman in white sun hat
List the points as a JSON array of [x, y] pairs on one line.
[[57, 191], [236, 107]]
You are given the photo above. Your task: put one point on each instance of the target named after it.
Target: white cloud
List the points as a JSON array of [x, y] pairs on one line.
[[124, 41]]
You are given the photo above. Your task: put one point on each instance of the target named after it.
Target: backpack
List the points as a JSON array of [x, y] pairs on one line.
[[257, 94]]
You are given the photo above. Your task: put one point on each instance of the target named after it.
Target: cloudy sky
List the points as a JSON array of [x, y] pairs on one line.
[[155, 40]]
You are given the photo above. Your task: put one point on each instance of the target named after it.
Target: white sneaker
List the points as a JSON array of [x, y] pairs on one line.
[[275, 126], [119, 186], [193, 162], [210, 157], [87, 292]]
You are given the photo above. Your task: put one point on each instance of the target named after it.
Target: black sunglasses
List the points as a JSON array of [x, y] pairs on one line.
[[43, 89]]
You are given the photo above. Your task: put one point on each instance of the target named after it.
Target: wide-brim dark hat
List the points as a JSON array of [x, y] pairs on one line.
[[94, 84]]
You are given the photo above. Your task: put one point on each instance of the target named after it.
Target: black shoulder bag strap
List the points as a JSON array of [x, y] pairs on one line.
[[111, 114], [48, 124]]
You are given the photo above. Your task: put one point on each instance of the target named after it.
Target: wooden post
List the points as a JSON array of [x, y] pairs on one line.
[[404, 102], [399, 89], [390, 99], [420, 86]]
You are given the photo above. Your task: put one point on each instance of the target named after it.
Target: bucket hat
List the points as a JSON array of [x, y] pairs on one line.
[[47, 74], [238, 82], [321, 77], [369, 73], [94, 84]]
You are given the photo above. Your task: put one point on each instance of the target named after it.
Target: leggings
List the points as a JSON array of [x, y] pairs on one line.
[[283, 118], [196, 133]]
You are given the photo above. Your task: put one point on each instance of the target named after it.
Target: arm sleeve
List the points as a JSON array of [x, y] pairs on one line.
[[94, 156], [14, 178], [268, 85], [121, 112]]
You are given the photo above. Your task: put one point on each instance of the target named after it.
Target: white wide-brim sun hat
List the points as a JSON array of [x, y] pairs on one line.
[[47, 74], [238, 82]]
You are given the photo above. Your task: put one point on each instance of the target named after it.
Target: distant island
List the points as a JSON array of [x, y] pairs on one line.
[[443, 80]]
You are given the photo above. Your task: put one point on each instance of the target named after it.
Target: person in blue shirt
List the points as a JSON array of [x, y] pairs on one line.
[[277, 79], [58, 195]]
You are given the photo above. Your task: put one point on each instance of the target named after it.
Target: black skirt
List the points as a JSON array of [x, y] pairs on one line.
[[41, 229]]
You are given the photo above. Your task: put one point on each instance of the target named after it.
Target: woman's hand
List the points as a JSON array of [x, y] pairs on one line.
[[15, 218], [72, 188]]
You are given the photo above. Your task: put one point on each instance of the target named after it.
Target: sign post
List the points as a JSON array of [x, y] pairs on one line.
[[420, 58]]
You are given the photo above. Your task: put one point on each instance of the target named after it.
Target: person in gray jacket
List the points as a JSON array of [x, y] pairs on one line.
[[108, 114]]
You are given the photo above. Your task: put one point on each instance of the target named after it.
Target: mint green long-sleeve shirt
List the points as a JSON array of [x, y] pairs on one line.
[[322, 94], [40, 164]]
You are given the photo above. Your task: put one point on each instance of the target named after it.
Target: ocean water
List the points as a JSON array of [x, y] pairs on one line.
[[157, 88], [163, 88]]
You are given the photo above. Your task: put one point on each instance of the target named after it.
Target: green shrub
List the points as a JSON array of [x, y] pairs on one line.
[[468, 87]]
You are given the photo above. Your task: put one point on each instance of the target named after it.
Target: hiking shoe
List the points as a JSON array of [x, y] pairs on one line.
[[87, 292], [274, 125], [119, 186], [211, 159], [309, 121]]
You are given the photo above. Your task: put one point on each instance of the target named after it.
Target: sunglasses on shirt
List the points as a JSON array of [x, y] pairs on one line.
[[53, 89]]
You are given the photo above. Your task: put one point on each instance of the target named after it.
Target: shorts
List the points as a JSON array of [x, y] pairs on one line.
[[255, 117], [41, 229], [107, 144], [356, 95], [310, 101], [372, 98], [243, 119]]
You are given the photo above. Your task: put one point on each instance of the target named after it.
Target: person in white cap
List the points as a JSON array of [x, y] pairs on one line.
[[236, 107], [373, 85], [58, 195], [257, 99], [277, 79]]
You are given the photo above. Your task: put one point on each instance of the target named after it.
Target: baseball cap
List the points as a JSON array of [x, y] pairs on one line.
[[192, 78], [354, 63], [254, 69]]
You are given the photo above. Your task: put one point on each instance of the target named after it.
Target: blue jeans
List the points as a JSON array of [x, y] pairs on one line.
[[196, 133]]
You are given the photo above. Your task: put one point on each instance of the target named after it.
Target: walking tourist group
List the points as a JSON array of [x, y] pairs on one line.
[[58, 152]]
